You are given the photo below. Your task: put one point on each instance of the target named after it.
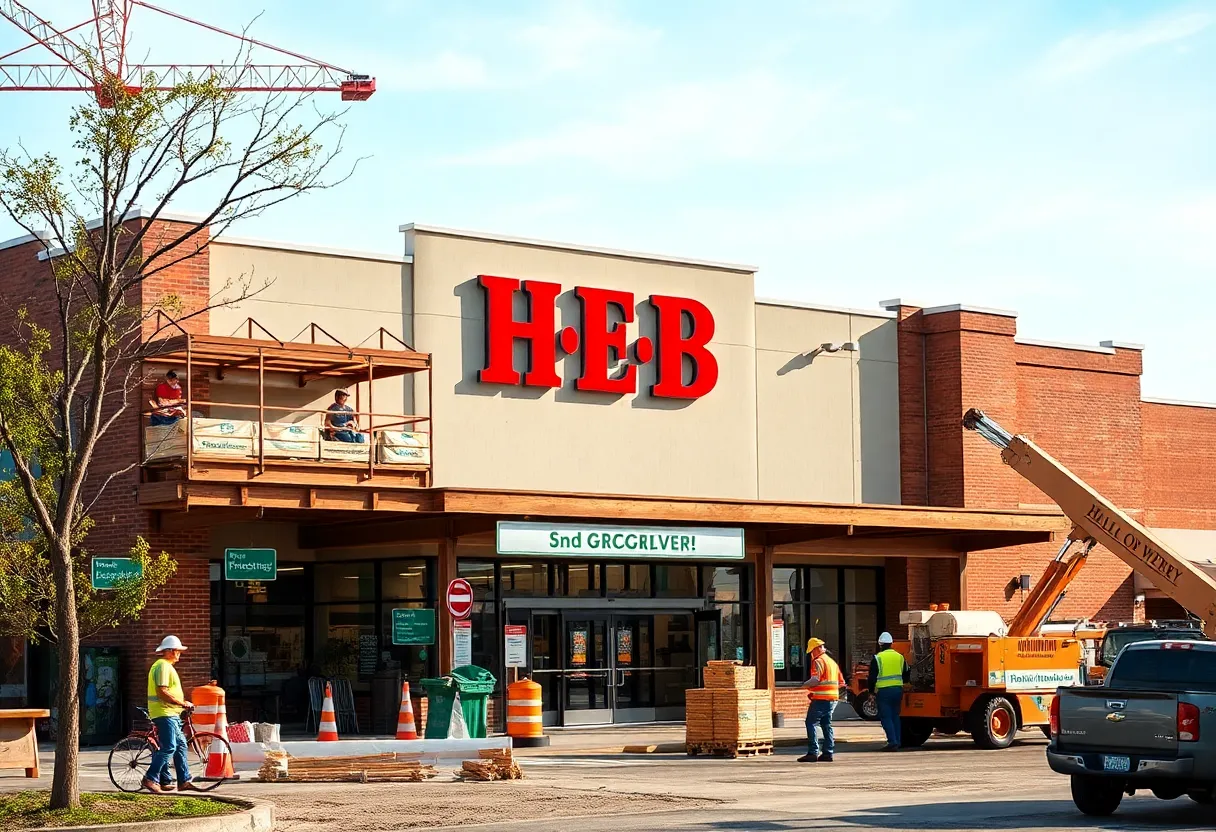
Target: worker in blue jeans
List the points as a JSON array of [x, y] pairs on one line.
[[166, 703], [889, 673], [823, 688]]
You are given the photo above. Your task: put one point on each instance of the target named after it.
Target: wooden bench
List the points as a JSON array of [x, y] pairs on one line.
[[18, 743]]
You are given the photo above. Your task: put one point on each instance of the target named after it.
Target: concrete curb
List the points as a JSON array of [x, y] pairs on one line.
[[255, 816]]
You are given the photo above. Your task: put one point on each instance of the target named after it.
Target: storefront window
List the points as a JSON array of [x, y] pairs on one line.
[[841, 605], [480, 575], [525, 579], [675, 581], [344, 638], [627, 580], [345, 582], [724, 583], [582, 580], [403, 579]]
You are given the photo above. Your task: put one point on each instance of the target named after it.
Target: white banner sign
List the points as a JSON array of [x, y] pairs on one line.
[[1041, 679], [557, 539], [778, 645], [462, 643], [516, 638]]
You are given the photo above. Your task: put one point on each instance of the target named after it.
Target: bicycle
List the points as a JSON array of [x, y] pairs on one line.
[[131, 756]]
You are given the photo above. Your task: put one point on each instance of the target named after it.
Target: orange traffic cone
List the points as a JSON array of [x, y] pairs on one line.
[[219, 761], [328, 729], [405, 718]]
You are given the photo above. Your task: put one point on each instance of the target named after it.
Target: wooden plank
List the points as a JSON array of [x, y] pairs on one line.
[[643, 508]]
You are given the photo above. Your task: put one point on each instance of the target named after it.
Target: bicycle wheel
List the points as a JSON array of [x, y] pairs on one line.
[[198, 749], [129, 761]]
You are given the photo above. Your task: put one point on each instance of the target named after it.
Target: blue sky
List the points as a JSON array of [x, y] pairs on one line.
[[1051, 158]]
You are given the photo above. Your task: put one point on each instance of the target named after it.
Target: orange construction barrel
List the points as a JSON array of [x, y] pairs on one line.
[[524, 722], [208, 700]]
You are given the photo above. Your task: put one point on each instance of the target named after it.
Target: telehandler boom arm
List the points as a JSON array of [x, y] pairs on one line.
[[1096, 519]]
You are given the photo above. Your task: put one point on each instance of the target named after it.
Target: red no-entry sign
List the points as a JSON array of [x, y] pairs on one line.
[[460, 598]]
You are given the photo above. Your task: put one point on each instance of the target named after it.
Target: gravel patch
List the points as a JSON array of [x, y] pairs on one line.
[[350, 807]]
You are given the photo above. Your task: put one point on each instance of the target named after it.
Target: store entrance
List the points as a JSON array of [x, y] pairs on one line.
[[601, 668]]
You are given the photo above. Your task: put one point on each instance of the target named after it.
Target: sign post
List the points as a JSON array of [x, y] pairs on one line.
[[413, 626], [106, 573], [460, 598], [250, 564]]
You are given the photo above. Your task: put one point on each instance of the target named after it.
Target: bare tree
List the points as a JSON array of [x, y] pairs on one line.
[[65, 382]]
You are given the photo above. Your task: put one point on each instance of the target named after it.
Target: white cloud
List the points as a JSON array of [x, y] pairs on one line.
[[1084, 53], [754, 117]]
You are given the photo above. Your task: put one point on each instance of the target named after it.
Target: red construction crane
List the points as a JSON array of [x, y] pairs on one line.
[[93, 52]]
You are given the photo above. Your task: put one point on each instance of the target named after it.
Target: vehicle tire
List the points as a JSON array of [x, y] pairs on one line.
[[1096, 796], [866, 706], [128, 763], [197, 752], [995, 723], [914, 731], [1202, 798]]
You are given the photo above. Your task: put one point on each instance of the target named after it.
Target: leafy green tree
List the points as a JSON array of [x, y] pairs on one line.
[[67, 377]]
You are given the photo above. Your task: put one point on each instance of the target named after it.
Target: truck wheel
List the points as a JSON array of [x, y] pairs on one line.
[[914, 731], [1202, 798], [866, 705], [996, 723], [1096, 796]]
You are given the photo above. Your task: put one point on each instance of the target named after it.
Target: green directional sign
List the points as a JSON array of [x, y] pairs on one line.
[[413, 626], [108, 572], [250, 564]]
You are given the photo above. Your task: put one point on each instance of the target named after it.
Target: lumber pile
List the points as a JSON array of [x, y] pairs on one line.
[[391, 767], [491, 764], [728, 715]]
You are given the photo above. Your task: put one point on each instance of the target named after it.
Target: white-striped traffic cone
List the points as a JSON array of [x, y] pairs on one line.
[[405, 718], [328, 728]]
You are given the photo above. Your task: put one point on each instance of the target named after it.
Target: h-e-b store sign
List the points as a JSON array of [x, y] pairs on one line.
[[569, 539]]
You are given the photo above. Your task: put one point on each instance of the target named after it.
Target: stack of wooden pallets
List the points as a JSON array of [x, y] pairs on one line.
[[369, 768], [728, 716]]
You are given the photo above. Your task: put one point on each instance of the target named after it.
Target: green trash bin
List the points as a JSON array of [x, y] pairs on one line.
[[474, 684]]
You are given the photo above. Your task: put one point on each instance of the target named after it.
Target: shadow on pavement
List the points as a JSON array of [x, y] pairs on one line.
[[1144, 813]]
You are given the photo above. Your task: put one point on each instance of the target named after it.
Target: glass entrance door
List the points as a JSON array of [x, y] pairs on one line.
[[633, 668], [588, 672]]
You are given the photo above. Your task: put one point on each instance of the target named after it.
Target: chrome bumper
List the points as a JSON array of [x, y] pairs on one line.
[[1143, 768]]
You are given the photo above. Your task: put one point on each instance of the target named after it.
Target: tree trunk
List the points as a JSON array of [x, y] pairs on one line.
[[65, 788]]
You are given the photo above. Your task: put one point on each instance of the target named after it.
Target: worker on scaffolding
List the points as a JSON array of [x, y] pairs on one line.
[[823, 689], [889, 673], [341, 424]]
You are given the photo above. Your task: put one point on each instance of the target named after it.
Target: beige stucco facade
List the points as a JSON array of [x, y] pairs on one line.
[[783, 423]]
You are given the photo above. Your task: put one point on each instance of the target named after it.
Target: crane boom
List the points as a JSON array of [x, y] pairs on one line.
[[1096, 519]]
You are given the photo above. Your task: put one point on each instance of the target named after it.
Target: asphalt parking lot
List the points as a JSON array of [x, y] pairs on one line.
[[947, 785]]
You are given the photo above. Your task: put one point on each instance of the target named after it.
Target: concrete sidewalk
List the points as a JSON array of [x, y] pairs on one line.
[[669, 739]]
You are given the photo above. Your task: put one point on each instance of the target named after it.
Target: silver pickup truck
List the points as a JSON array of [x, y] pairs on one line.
[[1151, 726]]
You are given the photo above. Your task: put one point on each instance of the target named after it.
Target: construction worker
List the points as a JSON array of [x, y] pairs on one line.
[[888, 675], [823, 689]]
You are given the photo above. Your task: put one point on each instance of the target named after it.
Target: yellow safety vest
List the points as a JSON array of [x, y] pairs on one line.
[[890, 670], [831, 680]]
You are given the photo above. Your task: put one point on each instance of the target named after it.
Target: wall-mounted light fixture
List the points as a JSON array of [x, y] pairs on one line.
[[833, 346]]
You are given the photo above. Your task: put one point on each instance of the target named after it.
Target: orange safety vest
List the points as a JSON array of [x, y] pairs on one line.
[[831, 680]]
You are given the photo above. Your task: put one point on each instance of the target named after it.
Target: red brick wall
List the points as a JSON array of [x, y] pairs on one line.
[[182, 607], [1180, 465]]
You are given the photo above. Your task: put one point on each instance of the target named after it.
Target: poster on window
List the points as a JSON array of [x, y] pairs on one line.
[[624, 645], [578, 647], [778, 644], [515, 637], [462, 643]]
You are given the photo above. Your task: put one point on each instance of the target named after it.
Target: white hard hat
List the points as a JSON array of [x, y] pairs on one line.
[[170, 643], [885, 638]]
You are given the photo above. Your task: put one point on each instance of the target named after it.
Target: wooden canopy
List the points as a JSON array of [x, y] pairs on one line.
[[309, 361]]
